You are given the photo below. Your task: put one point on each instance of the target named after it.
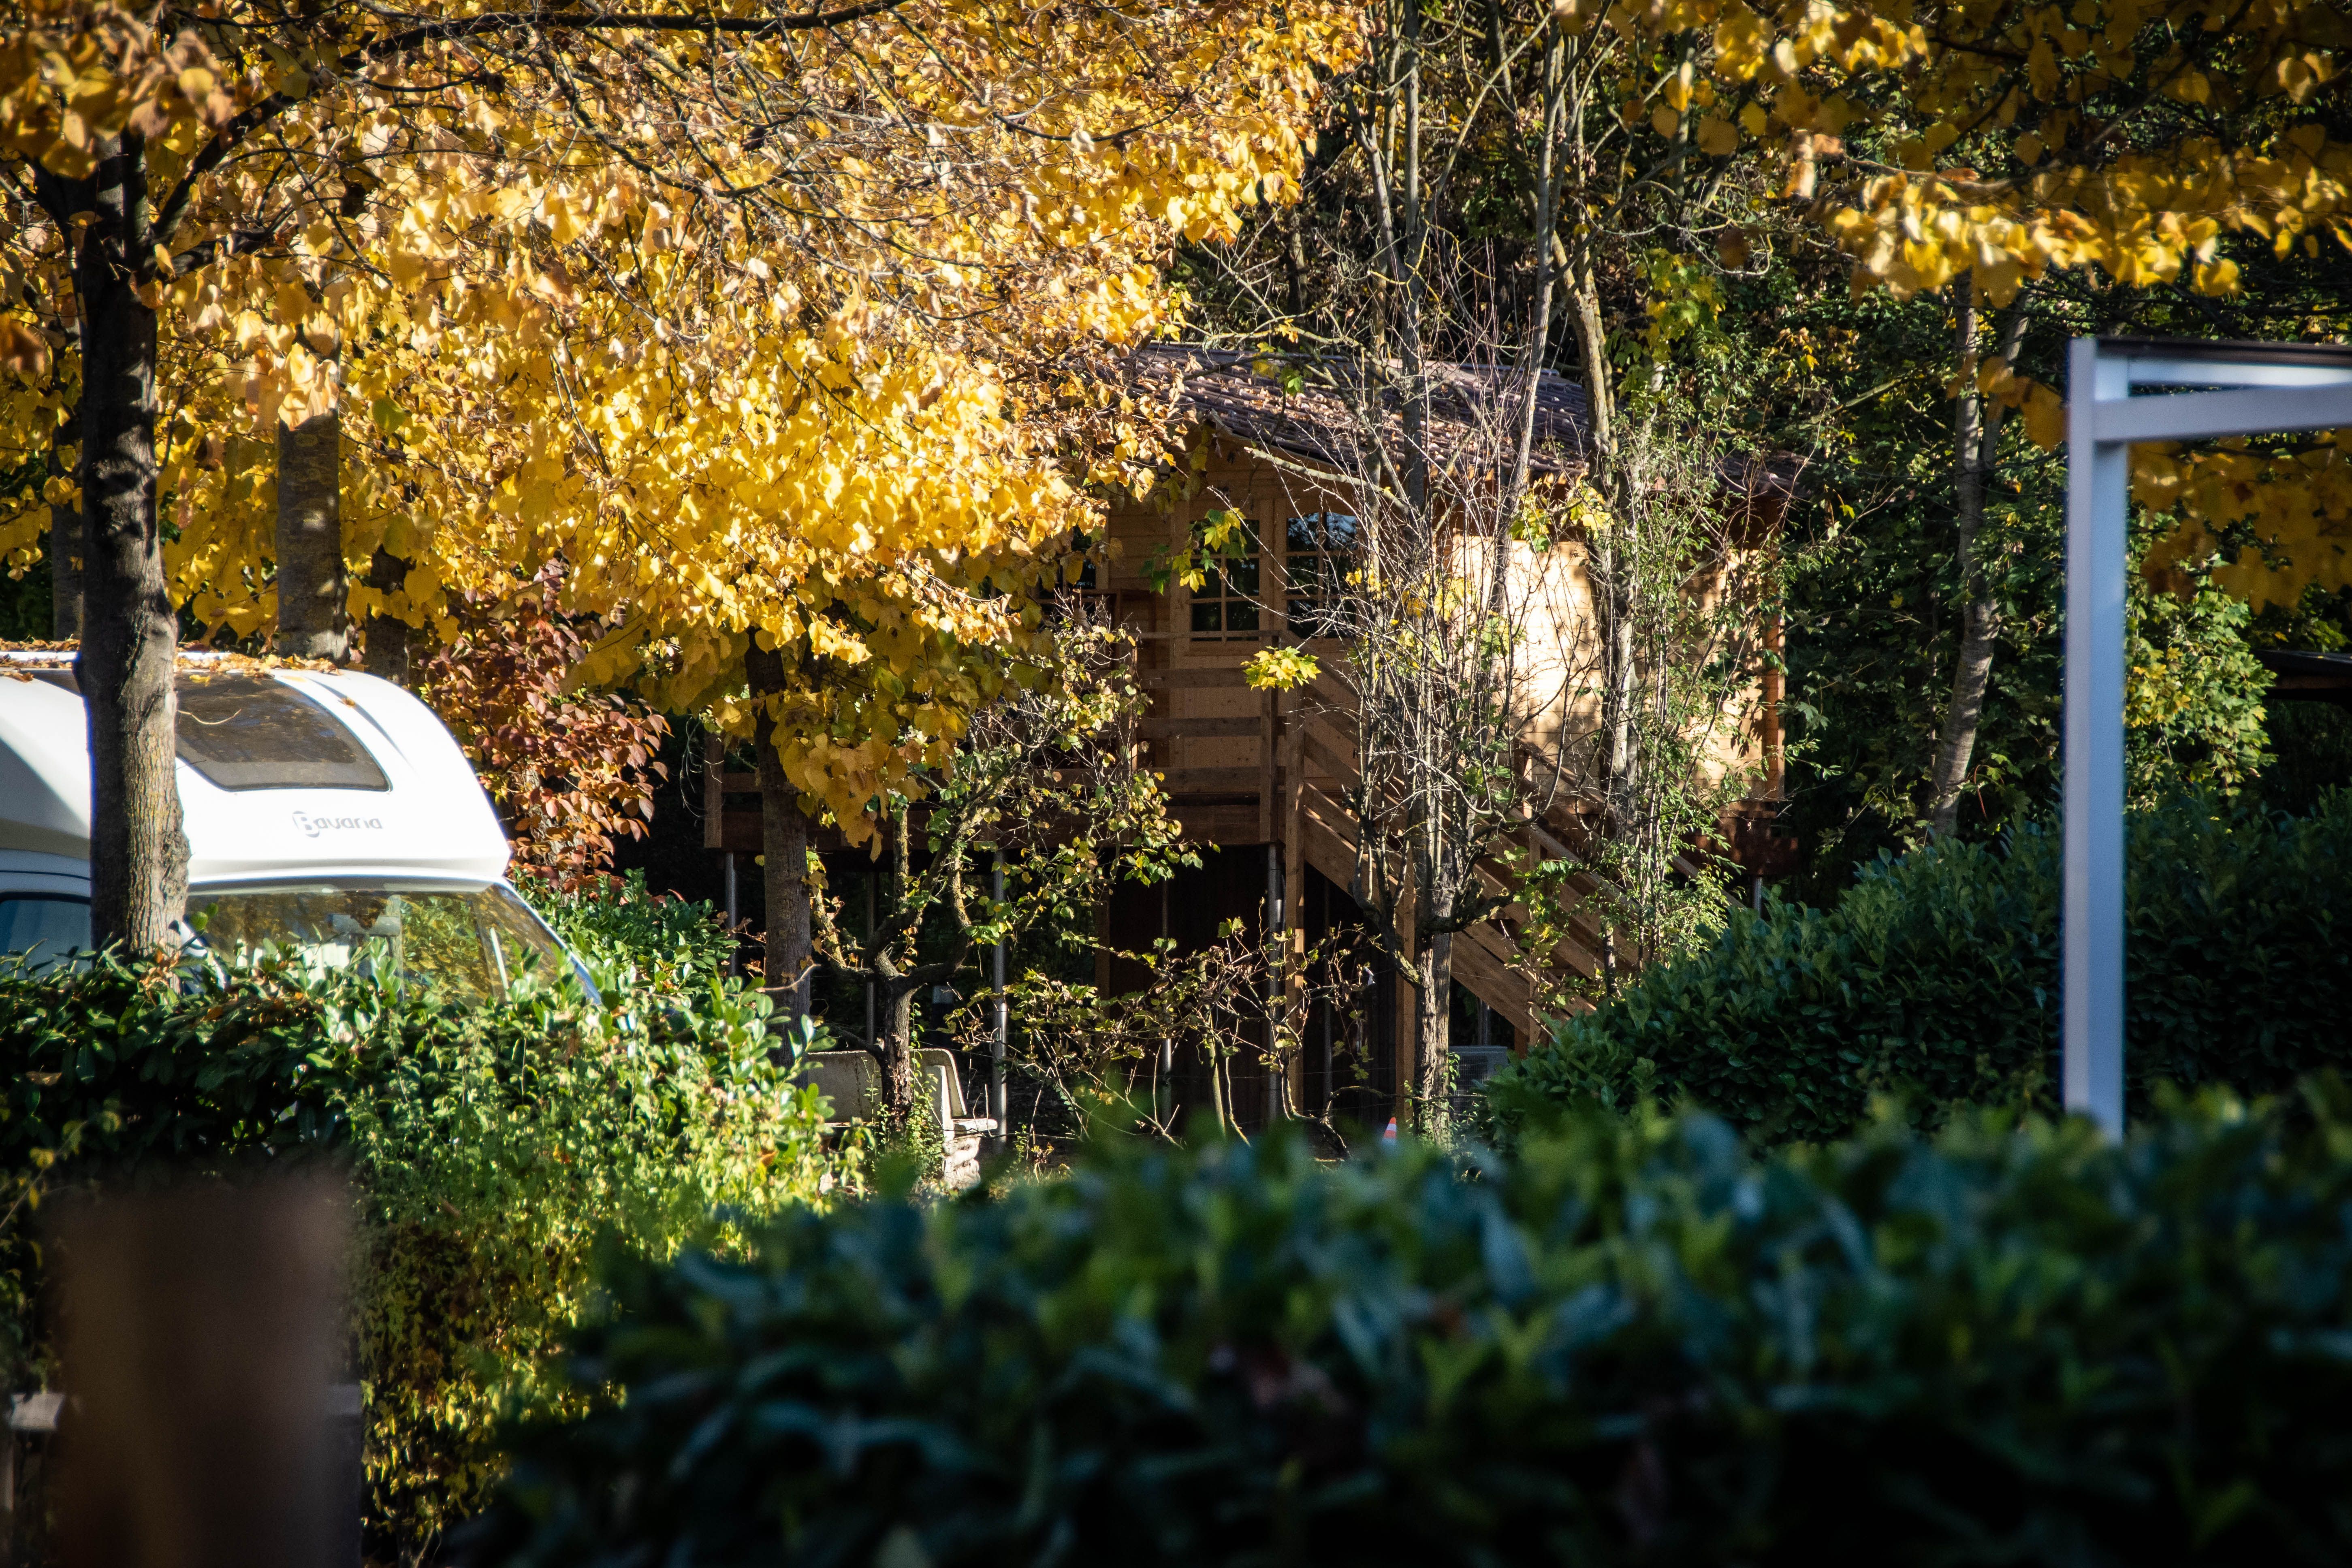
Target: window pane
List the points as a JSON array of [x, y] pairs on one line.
[[442, 945], [428, 938], [523, 944], [1207, 616], [249, 732], [1302, 534], [1338, 532], [1241, 616], [246, 731], [1241, 577], [42, 929]]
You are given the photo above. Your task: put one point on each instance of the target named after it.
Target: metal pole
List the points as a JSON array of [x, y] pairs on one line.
[[734, 955], [996, 1101], [2268, 387], [2098, 478], [1331, 1022], [1331, 1005], [1165, 1099], [1275, 945]]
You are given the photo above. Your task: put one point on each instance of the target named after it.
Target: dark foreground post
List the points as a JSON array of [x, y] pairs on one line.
[[203, 1329]]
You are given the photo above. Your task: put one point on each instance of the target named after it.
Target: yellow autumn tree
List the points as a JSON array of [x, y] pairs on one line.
[[2135, 145], [762, 318], [1988, 148]]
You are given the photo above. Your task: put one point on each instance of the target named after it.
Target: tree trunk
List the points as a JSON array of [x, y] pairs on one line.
[[1544, 240], [1610, 569], [1397, 192], [898, 1055], [138, 849], [1614, 598], [1411, 283], [385, 647], [313, 593], [1433, 1021], [783, 844], [1975, 430]]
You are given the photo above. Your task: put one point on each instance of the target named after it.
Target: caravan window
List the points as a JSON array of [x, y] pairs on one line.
[[42, 927], [249, 732], [465, 946]]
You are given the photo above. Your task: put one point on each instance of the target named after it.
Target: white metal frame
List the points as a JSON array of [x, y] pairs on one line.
[[2253, 389]]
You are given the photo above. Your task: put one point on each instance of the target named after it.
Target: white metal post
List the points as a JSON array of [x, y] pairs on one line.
[[2098, 477], [2263, 387]]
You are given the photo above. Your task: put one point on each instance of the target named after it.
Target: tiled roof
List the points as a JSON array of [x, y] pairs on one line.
[[1309, 406], [1320, 408]]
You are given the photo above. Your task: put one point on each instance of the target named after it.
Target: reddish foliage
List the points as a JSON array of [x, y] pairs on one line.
[[569, 772]]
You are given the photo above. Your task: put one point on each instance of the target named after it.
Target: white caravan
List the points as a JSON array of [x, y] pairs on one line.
[[326, 811]]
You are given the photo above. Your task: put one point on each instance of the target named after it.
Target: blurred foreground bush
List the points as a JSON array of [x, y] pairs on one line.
[[1635, 1341], [489, 1145], [1937, 976]]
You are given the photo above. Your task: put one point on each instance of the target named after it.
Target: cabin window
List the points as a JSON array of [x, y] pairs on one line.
[[1225, 605], [1080, 598], [1319, 551]]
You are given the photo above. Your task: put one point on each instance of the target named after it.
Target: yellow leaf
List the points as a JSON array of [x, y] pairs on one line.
[[2216, 277], [2045, 418]]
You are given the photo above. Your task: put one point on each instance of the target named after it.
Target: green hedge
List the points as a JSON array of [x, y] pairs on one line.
[[1635, 1341], [491, 1145], [619, 925], [1937, 976]]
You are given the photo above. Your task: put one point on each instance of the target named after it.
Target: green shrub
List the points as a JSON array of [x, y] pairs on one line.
[[489, 1145], [619, 924], [2312, 747], [1937, 975], [1637, 1341]]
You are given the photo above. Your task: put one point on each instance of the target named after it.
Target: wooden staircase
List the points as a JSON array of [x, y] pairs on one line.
[[1319, 828]]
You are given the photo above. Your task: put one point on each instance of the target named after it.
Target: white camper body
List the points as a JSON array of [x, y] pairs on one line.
[[324, 810]]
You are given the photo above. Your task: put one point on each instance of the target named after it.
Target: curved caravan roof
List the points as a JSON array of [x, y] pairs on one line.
[[283, 773]]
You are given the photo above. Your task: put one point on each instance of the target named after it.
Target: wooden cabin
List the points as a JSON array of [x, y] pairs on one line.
[[1261, 780], [1265, 777]]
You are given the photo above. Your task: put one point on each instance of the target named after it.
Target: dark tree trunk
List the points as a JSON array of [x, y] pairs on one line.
[[1432, 1020], [783, 844], [1976, 435], [139, 852], [897, 1054], [313, 592], [386, 637], [1611, 569]]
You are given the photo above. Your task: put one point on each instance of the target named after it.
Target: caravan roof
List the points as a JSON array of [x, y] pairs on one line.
[[286, 771]]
